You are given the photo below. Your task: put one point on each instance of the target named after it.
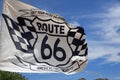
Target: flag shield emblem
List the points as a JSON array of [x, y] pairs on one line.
[[41, 42]]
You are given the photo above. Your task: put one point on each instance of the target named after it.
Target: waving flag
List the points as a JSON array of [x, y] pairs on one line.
[[33, 40]]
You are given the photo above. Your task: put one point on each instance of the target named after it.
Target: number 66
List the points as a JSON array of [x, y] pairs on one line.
[[55, 50]]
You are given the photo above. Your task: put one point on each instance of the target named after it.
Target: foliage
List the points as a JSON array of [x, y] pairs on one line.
[[95, 79], [4, 75], [102, 79], [82, 79]]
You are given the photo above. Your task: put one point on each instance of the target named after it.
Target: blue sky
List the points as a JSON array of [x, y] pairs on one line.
[[101, 21]]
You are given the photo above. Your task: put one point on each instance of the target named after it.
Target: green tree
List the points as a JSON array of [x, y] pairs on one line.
[[102, 79], [82, 79], [4, 75]]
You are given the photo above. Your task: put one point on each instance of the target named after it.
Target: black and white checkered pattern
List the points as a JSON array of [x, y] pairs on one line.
[[21, 35], [76, 40], [29, 31]]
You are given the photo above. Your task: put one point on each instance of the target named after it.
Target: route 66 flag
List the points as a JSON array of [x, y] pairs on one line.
[[33, 40]]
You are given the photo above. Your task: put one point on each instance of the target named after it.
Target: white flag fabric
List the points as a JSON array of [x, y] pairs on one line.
[[33, 40]]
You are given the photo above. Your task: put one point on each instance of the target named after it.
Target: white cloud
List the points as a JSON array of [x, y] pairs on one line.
[[74, 23], [109, 32], [117, 78], [114, 12], [101, 50]]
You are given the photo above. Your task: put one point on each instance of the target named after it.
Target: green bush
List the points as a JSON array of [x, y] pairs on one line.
[[4, 75]]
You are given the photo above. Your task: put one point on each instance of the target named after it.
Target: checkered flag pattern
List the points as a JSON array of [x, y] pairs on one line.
[[29, 31], [20, 36], [76, 41]]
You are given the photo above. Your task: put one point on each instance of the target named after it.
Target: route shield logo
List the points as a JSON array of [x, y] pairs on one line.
[[47, 44]]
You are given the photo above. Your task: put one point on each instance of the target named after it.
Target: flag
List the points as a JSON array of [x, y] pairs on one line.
[[35, 41]]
